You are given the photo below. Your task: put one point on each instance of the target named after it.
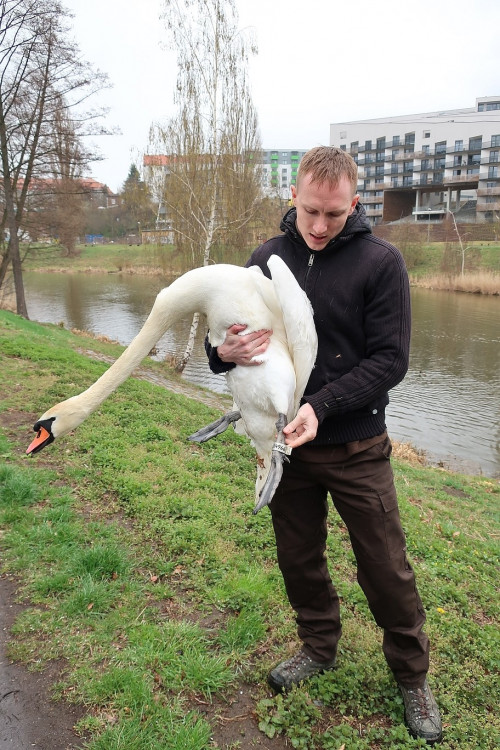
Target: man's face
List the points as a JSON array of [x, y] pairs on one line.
[[322, 210]]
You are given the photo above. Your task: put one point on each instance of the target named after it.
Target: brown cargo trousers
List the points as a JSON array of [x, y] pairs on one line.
[[359, 478]]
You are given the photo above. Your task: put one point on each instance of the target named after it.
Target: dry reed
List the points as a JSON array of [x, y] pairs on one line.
[[479, 282]]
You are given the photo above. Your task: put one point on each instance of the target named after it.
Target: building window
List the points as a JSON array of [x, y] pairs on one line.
[[459, 145], [488, 106], [343, 133], [355, 146], [426, 149], [495, 140], [409, 139], [494, 155], [492, 171], [475, 143], [368, 145], [380, 143], [440, 147], [426, 134]]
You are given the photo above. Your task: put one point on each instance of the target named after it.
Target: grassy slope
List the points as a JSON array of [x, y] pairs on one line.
[[148, 574]]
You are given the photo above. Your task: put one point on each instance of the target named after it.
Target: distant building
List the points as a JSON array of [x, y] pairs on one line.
[[279, 171], [427, 164], [98, 193]]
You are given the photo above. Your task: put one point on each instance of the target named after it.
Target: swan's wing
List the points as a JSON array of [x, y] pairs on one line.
[[298, 320]]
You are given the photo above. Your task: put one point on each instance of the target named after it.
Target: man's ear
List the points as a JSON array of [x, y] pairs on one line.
[[353, 204], [294, 193]]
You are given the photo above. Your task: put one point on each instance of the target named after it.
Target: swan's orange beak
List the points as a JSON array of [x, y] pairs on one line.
[[43, 438]]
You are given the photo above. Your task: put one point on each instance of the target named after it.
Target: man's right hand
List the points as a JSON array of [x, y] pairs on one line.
[[242, 348]]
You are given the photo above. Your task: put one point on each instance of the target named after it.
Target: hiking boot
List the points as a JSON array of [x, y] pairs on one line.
[[422, 713], [294, 670]]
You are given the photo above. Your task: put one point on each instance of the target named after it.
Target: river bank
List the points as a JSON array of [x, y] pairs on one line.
[[162, 261]]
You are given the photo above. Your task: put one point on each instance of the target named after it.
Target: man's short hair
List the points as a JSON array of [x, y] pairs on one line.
[[328, 164]]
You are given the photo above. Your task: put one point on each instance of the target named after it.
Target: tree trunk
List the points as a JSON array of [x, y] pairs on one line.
[[18, 278], [181, 364]]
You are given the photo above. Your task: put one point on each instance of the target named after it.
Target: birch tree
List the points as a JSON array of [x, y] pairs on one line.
[[212, 183], [42, 80]]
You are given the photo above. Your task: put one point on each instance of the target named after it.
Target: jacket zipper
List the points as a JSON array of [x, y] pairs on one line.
[[309, 265]]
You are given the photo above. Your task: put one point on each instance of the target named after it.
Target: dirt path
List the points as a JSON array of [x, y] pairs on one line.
[[28, 717]]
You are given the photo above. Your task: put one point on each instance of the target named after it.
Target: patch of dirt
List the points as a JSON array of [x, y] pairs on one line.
[[235, 722], [454, 491], [28, 716]]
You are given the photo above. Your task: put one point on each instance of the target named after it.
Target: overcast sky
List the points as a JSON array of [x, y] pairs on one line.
[[319, 61]]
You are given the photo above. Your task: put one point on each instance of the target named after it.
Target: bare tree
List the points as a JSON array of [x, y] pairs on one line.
[[42, 81], [212, 182]]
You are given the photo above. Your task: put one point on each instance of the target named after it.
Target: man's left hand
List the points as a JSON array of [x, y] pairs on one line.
[[303, 428]]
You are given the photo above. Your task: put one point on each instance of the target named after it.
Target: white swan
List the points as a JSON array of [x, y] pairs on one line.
[[265, 398]]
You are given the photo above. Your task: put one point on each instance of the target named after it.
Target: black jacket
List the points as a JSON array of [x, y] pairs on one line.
[[359, 291]]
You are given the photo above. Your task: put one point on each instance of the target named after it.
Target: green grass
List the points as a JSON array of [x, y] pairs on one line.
[[147, 573]]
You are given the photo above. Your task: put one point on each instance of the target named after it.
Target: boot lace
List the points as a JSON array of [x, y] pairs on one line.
[[420, 703]]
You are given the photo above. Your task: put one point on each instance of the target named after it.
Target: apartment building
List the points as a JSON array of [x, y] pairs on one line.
[[279, 171], [421, 166]]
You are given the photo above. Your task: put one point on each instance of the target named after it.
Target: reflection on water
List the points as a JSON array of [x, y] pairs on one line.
[[448, 404]]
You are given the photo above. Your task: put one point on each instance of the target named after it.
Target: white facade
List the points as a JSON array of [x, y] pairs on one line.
[[426, 164]]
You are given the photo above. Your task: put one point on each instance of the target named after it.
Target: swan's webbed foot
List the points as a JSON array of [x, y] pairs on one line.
[[279, 455], [215, 428]]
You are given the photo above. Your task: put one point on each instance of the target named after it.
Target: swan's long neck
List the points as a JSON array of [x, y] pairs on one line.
[[181, 298]]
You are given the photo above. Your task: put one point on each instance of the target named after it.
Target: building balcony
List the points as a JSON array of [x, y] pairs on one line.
[[403, 156], [488, 191], [490, 144], [424, 154], [368, 198], [488, 206], [459, 179]]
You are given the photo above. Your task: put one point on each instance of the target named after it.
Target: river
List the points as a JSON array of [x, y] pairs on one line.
[[448, 405]]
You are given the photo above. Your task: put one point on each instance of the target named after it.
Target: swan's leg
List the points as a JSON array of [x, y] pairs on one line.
[[211, 430], [279, 454]]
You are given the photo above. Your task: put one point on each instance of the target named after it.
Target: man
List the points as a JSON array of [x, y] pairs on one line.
[[359, 291]]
